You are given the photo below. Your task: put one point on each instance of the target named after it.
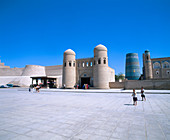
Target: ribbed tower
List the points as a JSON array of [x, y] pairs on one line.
[[147, 65], [69, 69], [132, 66], [100, 68]]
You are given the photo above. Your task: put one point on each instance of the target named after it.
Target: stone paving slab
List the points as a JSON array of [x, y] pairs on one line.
[[82, 116]]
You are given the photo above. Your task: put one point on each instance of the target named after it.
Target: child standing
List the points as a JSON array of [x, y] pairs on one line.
[[142, 93], [134, 94]]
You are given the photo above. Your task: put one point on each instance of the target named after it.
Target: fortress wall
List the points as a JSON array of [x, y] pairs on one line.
[[111, 75], [11, 71], [25, 81], [116, 84], [34, 70], [29, 70], [59, 81], [20, 76], [7, 79], [86, 70], [16, 80], [148, 84], [137, 84], [4, 66], [54, 70]]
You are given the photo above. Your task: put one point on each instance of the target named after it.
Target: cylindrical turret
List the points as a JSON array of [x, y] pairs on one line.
[[31, 71], [34, 70], [69, 69], [132, 66], [147, 65], [100, 68]]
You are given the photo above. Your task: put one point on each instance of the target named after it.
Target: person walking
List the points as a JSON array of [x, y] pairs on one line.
[[142, 94], [134, 94]]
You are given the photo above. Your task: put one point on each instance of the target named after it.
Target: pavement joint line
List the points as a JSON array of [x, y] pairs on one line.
[[101, 91]]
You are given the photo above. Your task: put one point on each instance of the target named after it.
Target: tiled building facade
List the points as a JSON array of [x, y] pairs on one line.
[[155, 68]]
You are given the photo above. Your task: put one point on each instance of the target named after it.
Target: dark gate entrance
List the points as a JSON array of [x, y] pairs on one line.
[[85, 80]]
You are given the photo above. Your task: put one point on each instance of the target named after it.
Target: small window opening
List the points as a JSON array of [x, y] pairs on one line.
[[87, 64], [70, 63], [104, 61], [99, 61], [147, 57]]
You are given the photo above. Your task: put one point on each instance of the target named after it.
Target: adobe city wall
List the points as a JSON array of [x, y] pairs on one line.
[[117, 84], [34, 70], [22, 76], [54, 70], [23, 81], [11, 71], [137, 84]]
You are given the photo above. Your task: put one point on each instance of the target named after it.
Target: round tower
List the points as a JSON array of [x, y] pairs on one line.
[[147, 65], [34, 70], [69, 69], [132, 67], [100, 68], [30, 71]]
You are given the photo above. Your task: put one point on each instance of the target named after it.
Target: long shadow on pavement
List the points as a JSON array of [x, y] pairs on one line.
[[129, 104]]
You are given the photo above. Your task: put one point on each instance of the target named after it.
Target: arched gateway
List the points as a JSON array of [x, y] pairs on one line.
[[93, 71]]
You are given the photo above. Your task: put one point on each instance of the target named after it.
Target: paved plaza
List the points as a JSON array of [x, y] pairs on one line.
[[82, 116]]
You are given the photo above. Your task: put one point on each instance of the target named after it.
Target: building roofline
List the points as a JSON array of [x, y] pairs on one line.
[[111, 68], [85, 58], [163, 58], [54, 66]]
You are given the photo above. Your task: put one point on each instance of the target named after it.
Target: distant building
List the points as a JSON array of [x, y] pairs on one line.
[[121, 78], [92, 71], [156, 73], [132, 71], [32, 74], [155, 68]]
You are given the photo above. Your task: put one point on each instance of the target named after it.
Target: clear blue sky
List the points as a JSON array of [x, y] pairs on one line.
[[39, 31]]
